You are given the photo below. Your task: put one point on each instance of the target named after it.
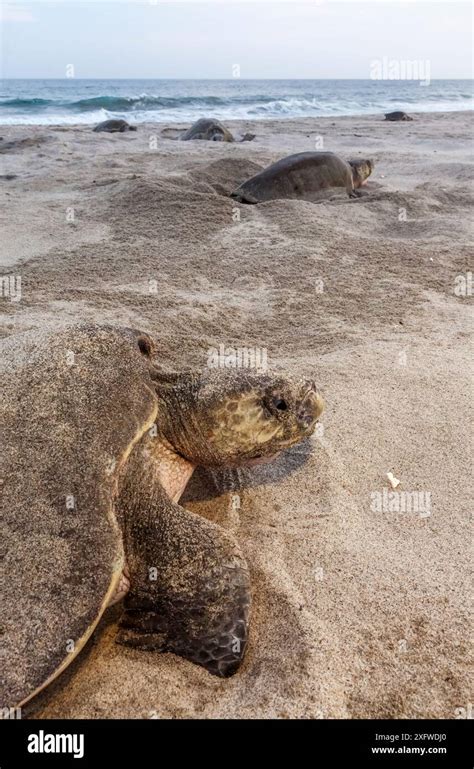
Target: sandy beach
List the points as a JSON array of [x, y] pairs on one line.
[[360, 609]]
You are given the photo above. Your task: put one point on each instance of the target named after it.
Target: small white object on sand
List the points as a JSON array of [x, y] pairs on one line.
[[394, 482]]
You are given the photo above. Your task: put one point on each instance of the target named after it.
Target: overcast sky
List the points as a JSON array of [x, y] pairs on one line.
[[313, 39]]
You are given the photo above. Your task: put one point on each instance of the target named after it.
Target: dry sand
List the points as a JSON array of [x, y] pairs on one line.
[[357, 613]]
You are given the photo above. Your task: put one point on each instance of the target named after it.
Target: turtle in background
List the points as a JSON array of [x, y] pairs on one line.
[[397, 115], [99, 445], [114, 125], [208, 129], [306, 176]]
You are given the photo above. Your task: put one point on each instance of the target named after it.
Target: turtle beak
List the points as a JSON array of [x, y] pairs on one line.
[[310, 408]]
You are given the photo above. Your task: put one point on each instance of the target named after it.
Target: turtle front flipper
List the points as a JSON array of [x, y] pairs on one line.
[[189, 585]]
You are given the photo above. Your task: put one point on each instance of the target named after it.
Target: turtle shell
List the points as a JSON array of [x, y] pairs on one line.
[[305, 175], [207, 128], [75, 404]]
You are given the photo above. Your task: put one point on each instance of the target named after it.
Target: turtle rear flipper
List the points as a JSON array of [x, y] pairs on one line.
[[189, 585]]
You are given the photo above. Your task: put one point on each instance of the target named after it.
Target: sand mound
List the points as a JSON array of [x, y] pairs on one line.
[[225, 175], [173, 207]]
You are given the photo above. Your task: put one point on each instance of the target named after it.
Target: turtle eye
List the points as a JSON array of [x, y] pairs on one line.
[[274, 404]]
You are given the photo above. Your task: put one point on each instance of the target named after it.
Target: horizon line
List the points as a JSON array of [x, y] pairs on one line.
[[375, 80]]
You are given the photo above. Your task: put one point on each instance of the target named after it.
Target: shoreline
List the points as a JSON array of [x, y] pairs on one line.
[[238, 120]]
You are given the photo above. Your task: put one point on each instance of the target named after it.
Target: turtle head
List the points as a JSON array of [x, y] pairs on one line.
[[236, 417], [361, 170]]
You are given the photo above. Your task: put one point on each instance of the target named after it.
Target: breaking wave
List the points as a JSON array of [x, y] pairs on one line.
[[50, 102]]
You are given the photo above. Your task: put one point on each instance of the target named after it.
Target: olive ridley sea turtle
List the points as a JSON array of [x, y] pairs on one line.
[[397, 115], [114, 126], [99, 446], [212, 130], [306, 175]]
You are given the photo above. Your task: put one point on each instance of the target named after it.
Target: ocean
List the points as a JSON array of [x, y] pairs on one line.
[[70, 101]]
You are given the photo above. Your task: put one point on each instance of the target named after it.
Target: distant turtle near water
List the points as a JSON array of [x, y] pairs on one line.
[[306, 176], [98, 445], [114, 125], [397, 115], [208, 129]]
